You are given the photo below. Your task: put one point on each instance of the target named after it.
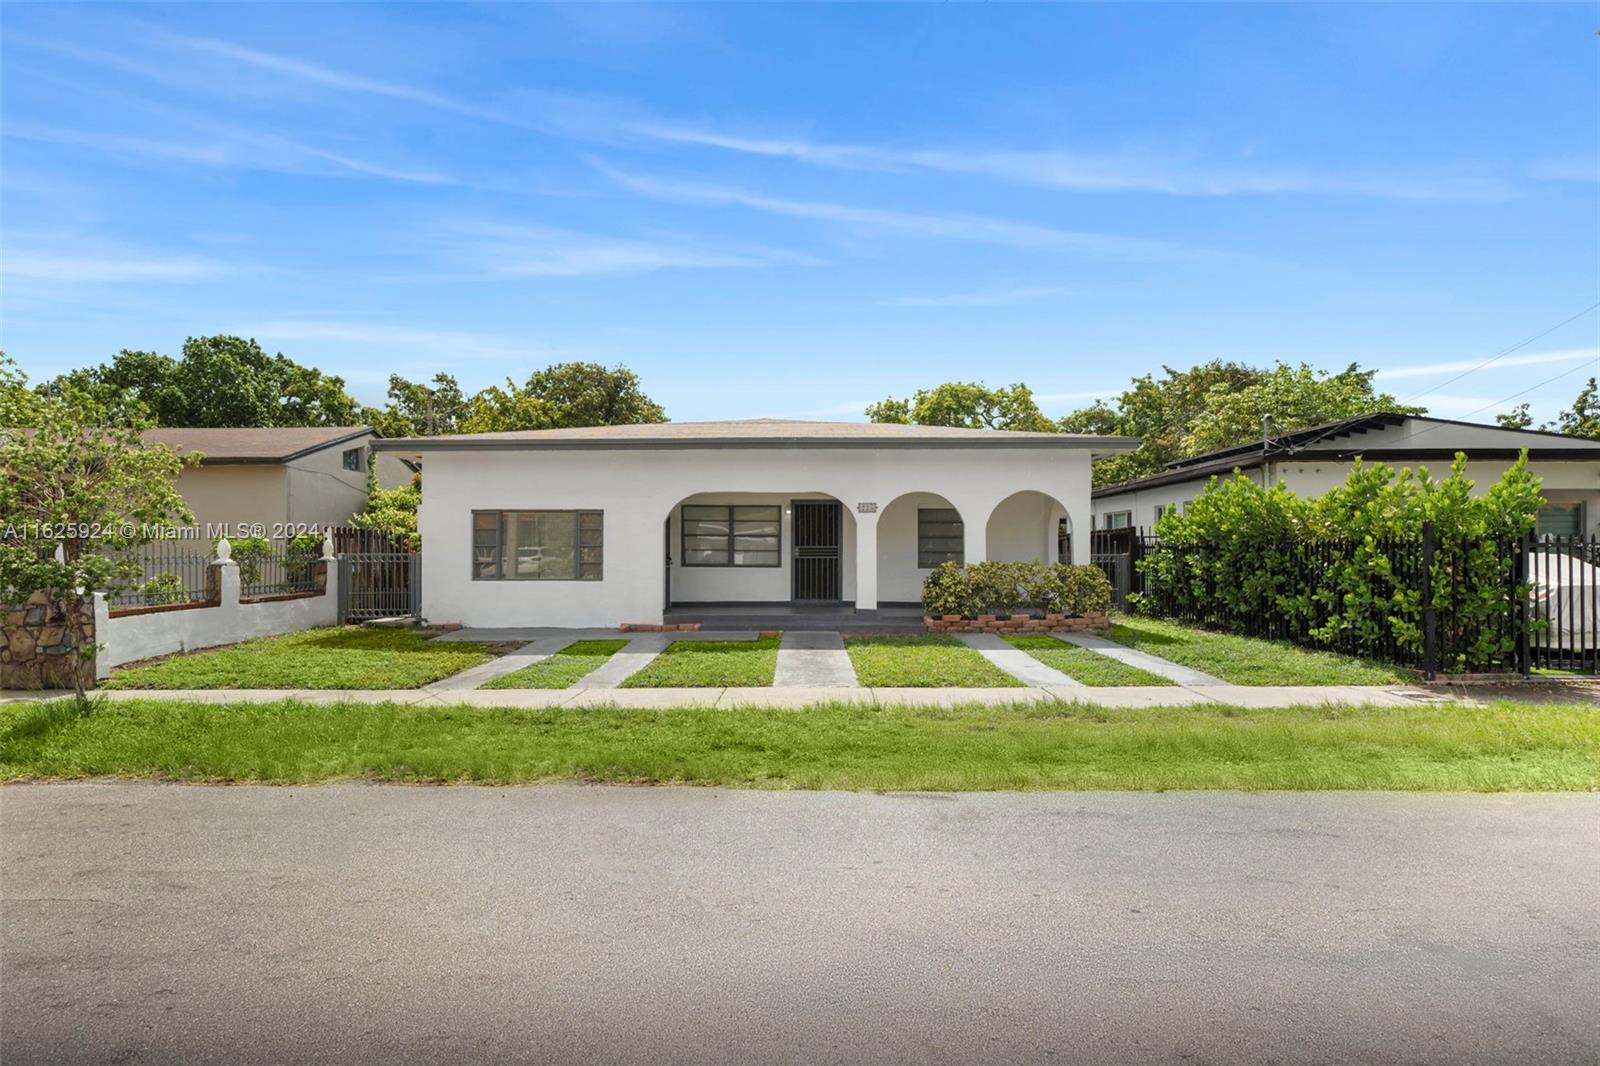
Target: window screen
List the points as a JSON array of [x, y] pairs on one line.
[[940, 537], [721, 535], [537, 545]]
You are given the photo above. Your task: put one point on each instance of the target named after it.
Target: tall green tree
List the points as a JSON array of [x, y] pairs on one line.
[[1295, 397], [78, 478], [563, 395], [218, 381], [419, 410], [966, 405], [1582, 419]]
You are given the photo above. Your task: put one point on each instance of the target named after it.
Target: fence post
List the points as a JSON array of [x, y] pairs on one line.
[[1523, 615], [342, 590], [1430, 635], [414, 581]]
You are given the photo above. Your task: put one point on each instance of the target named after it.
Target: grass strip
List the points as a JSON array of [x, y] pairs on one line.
[[563, 668], [1505, 746], [1081, 664], [331, 658], [1249, 661], [922, 660], [710, 664]]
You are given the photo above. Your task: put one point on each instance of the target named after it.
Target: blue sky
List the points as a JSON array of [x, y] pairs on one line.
[[774, 210]]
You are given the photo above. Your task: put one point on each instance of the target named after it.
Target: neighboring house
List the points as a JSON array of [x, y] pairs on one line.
[[1312, 461], [602, 526], [280, 477]]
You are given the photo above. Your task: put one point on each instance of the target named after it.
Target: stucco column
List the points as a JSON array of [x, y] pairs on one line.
[[975, 521], [867, 561]]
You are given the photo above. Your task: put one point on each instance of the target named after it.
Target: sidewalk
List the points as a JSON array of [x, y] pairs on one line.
[[800, 697]]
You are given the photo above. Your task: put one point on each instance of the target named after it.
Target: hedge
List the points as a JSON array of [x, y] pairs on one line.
[[1008, 588]]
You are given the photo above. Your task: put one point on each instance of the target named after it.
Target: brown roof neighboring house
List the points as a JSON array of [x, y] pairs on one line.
[[254, 445]]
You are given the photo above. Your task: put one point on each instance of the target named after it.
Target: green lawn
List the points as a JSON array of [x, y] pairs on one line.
[[1506, 746], [1248, 661], [563, 668], [1084, 665], [922, 660], [710, 664], [347, 657]]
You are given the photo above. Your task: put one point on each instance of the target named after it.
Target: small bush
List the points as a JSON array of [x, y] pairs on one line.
[[163, 589], [1009, 588]]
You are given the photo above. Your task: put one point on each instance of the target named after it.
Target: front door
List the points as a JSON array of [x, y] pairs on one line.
[[816, 550]]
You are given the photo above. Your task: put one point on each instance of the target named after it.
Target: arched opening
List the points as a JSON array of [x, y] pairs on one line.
[[916, 532], [1029, 527], [752, 549]]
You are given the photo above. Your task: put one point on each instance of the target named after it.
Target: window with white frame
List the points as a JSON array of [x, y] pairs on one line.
[[352, 458], [537, 545], [732, 535], [1559, 520], [1119, 519], [941, 538]]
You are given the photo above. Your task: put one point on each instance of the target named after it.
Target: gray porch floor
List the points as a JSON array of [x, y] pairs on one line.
[[833, 617]]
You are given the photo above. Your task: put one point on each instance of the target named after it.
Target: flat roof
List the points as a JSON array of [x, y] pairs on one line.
[[756, 433], [246, 444]]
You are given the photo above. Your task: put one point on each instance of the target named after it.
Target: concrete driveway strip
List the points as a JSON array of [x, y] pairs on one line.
[[150, 923], [1183, 675], [1016, 662], [813, 660]]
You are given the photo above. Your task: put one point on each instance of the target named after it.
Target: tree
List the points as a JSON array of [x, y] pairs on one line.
[[418, 410], [219, 381], [566, 394], [1159, 411], [588, 394], [968, 405], [1582, 419], [1519, 417], [79, 479], [1295, 397], [392, 511]]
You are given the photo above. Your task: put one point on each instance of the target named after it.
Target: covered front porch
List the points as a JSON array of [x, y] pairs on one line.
[[810, 560]]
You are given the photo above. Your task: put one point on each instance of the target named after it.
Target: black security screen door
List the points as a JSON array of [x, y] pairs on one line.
[[816, 550]]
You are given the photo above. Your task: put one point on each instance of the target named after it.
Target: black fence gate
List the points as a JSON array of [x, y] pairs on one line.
[[1564, 603], [1117, 552], [374, 585]]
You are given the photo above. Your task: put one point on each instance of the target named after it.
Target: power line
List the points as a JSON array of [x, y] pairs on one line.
[[1513, 396], [1502, 354]]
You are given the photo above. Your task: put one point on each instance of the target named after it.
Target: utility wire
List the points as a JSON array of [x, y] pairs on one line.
[[1502, 354]]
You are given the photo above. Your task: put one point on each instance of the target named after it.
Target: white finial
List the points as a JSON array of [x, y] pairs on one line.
[[224, 550], [327, 545]]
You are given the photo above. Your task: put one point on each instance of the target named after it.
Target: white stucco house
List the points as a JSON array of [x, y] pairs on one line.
[[612, 525], [285, 477], [1312, 461]]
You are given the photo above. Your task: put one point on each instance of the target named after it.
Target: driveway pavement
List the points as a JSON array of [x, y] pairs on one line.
[[391, 924]]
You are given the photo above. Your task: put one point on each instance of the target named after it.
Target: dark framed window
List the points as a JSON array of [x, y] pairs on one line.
[[1119, 519], [352, 458], [941, 538], [537, 545], [1559, 520], [732, 535]]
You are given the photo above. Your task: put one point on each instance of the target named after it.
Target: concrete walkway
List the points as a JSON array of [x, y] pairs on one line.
[[1154, 664], [813, 660], [1016, 662], [797, 697]]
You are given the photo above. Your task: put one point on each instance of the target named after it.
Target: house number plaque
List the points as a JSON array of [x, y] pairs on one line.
[[866, 508]]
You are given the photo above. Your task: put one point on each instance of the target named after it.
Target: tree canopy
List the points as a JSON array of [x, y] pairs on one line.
[[218, 381], [966, 405]]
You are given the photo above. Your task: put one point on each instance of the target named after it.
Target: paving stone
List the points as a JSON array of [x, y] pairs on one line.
[[813, 660], [1154, 664], [1016, 662]]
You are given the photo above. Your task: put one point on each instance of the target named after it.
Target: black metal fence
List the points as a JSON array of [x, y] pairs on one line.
[[374, 585], [1440, 605], [171, 572], [276, 567]]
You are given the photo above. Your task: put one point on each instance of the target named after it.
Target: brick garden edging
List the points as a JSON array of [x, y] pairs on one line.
[[1018, 623], [658, 627]]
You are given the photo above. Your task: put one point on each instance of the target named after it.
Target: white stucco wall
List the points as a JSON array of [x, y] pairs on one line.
[[637, 489], [735, 584], [144, 636]]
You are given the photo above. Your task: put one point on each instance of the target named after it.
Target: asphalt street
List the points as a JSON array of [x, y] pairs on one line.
[[572, 924]]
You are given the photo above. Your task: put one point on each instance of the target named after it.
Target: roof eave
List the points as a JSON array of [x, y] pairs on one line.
[[418, 445]]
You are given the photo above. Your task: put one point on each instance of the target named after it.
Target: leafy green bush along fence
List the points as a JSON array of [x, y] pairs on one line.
[[1390, 565], [1005, 588]]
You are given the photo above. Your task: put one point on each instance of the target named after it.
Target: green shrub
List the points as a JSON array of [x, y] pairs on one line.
[[162, 589], [1343, 569], [1006, 588]]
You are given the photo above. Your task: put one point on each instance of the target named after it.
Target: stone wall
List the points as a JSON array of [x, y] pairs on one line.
[[36, 652]]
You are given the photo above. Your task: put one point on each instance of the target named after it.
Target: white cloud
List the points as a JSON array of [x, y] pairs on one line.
[[129, 266], [982, 297], [539, 251], [1423, 370], [1104, 172], [980, 229]]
